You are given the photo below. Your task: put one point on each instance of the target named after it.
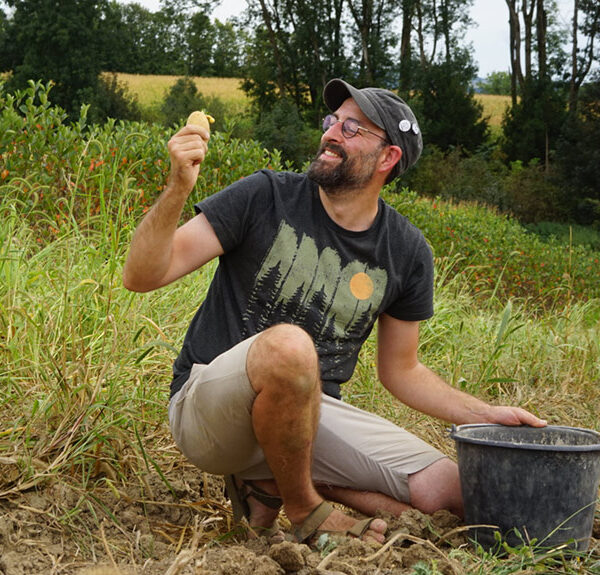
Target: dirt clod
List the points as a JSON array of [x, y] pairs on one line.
[[291, 556]]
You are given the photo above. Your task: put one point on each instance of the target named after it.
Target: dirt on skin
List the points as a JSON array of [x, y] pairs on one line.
[[186, 528]]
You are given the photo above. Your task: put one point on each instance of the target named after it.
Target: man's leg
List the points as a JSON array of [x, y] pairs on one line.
[[283, 369], [369, 463], [437, 487], [431, 489]]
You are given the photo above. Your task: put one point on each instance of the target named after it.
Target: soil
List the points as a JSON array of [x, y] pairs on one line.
[[186, 528]]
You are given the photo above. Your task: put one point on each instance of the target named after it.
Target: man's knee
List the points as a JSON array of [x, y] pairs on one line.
[[284, 355], [437, 487]]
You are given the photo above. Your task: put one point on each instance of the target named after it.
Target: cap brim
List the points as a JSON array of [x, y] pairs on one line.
[[337, 91]]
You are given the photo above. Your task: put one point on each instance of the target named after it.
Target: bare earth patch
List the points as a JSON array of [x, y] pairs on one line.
[[186, 528]]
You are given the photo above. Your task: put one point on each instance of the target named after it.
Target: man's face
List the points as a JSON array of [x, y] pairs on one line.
[[347, 163]]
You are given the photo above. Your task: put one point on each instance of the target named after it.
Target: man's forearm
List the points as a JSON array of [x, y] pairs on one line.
[[150, 253], [423, 390]]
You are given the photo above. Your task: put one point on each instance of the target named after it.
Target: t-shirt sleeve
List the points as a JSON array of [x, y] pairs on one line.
[[415, 301], [229, 210]]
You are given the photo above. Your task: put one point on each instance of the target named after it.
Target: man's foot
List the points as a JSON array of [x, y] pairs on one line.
[[255, 501], [326, 519]]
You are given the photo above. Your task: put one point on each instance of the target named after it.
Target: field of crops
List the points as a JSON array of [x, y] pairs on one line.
[[151, 89], [89, 474]]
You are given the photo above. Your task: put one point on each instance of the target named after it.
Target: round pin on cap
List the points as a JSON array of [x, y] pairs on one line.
[[404, 125]]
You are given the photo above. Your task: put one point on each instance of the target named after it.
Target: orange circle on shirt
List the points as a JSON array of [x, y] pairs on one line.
[[361, 286]]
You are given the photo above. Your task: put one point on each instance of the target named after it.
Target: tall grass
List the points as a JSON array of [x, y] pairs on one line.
[[86, 364]]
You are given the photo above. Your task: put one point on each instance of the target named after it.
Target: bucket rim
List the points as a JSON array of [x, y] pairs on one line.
[[455, 430]]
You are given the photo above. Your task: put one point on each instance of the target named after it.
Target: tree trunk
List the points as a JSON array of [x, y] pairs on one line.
[[408, 7], [516, 77], [542, 25], [573, 82], [266, 14], [364, 22], [420, 34], [446, 25]]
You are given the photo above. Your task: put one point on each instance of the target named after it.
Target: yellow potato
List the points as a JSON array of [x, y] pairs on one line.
[[199, 118]]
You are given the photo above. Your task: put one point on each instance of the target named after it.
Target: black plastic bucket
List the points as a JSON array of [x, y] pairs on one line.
[[529, 483]]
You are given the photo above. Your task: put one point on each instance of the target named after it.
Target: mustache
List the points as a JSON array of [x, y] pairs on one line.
[[334, 148]]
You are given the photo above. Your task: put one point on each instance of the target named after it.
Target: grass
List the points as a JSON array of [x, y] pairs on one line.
[[86, 364]]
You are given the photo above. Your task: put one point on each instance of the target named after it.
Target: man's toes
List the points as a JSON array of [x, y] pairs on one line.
[[378, 525], [376, 530]]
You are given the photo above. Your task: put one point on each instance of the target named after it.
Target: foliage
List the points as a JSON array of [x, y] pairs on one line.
[[201, 34], [228, 50], [496, 83], [56, 43], [184, 97], [532, 126], [500, 256], [578, 155], [282, 128], [567, 234], [48, 162], [454, 175], [113, 100], [444, 102], [532, 194]]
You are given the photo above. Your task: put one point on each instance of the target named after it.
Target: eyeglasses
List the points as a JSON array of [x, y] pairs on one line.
[[350, 127]]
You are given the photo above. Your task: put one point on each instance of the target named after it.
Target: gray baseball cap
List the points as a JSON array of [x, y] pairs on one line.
[[386, 110]]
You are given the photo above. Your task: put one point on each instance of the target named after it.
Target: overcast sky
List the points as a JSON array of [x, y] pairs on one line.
[[489, 37]]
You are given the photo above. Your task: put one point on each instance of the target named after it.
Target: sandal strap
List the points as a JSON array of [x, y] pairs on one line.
[[360, 527], [239, 505], [311, 524], [271, 501], [238, 496]]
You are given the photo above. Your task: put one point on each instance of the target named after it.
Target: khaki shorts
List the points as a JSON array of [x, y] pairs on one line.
[[211, 422]]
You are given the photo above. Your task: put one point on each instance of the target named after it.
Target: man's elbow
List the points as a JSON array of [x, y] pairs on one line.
[[133, 284]]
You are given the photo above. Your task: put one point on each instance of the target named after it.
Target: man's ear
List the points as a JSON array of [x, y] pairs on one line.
[[391, 157]]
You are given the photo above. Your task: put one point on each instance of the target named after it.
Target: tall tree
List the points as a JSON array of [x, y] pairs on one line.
[[578, 155], [443, 97], [304, 50], [440, 25], [582, 59], [200, 37], [4, 48], [372, 20], [228, 51], [57, 40], [406, 53]]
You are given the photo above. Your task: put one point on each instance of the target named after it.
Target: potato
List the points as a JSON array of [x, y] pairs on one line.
[[199, 118]]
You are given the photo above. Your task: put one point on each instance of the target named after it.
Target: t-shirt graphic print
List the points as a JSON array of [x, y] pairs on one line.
[[298, 284]]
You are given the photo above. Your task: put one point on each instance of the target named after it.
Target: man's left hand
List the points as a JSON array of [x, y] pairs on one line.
[[513, 416]]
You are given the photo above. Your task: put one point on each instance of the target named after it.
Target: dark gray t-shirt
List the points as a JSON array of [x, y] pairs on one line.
[[287, 261]]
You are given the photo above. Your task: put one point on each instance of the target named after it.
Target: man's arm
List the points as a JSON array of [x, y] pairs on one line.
[[401, 372], [161, 252]]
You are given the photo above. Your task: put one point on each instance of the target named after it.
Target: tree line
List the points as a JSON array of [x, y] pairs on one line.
[[286, 50]]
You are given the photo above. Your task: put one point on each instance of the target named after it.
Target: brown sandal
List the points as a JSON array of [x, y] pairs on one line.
[[309, 528], [239, 494]]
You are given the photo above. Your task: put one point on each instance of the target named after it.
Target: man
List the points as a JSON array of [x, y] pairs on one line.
[[308, 263]]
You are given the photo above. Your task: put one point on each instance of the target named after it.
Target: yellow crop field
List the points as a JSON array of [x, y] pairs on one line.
[[151, 89], [493, 107]]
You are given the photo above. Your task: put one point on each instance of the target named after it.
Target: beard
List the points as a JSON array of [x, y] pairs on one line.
[[349, 174]]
